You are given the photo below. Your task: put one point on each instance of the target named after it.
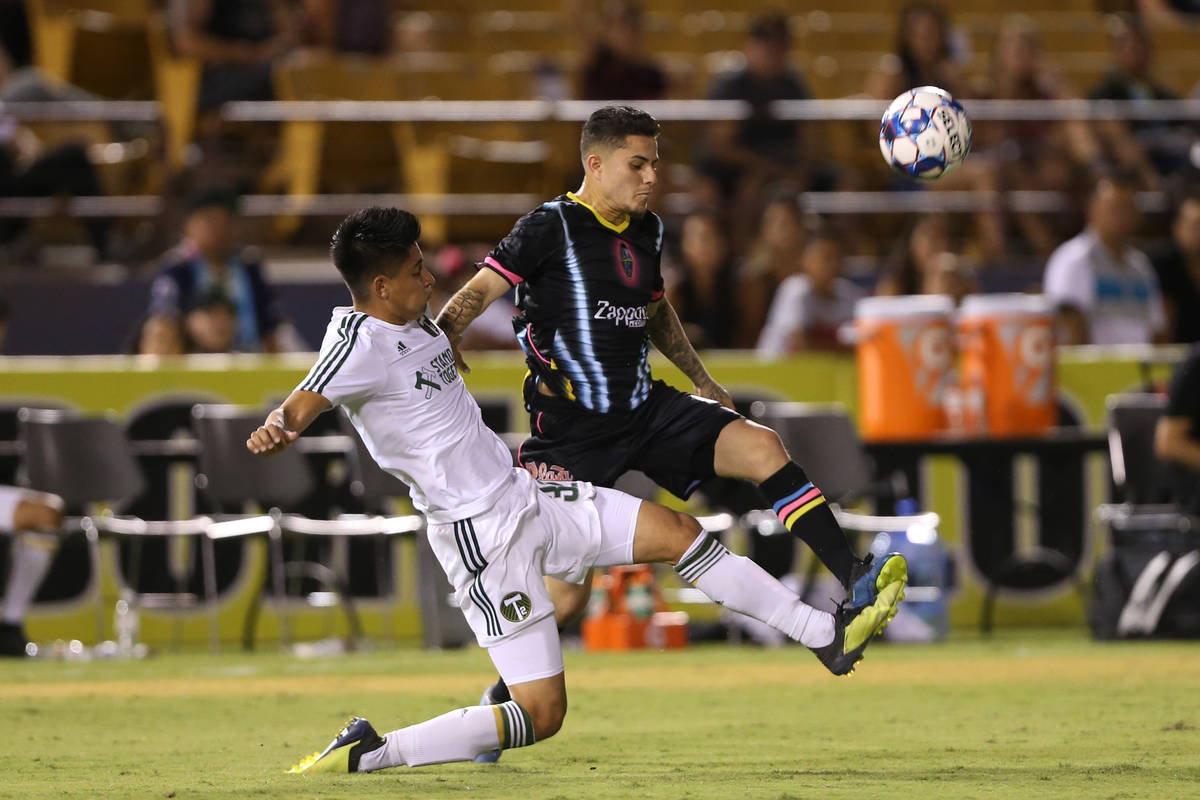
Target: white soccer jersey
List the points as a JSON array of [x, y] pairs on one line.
[[402, 392]]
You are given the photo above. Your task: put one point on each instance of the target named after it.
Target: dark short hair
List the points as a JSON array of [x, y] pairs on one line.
[[371, 242], [610, 125], [1118, 179], [770, 27], [212, 197], [213, 298]]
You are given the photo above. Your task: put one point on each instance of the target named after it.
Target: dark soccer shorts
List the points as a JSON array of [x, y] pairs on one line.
[[671, 437]]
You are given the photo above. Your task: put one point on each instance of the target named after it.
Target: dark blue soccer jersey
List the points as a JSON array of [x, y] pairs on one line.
[[583, 286]]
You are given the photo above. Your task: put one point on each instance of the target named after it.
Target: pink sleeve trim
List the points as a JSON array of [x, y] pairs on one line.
[[656, 295], [511, 277]]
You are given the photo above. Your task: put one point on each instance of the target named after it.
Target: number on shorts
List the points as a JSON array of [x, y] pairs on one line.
[[565, 491]]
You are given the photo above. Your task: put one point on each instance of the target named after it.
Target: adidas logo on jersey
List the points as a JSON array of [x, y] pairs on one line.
[[402, 348]]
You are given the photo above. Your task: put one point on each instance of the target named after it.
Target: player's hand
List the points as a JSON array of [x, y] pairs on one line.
[[270, 438], [458, 359], [711, 390]]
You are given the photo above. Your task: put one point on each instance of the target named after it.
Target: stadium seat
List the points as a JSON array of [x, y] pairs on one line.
[[88, 462], [236, 479]]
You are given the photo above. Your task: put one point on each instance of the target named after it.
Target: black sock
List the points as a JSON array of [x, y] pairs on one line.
[[802, 509], [499, 692]]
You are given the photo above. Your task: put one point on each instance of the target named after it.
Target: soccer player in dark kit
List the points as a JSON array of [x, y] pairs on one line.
[[590, 294]]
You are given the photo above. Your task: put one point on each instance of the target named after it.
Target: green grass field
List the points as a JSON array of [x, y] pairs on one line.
[[1029, 715]]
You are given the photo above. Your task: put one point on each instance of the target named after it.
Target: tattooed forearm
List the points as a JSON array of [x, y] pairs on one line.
[[666, 333], [465, 306]]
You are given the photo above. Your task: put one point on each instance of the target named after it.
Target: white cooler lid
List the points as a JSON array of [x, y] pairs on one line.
[[905, 305], [988, 304]]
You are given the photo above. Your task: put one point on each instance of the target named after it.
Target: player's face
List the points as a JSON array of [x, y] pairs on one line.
[[407, 292], [630, 173]]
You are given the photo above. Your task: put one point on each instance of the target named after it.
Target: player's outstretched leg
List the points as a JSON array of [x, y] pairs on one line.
[[345, 751], [740, 585]]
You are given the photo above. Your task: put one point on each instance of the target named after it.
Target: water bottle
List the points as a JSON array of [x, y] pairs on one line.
[[638, 600], [125, 624], [924, 614]]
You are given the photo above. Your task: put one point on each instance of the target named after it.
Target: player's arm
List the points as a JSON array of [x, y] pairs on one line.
[[285, 424], [468, 303], [666, 333]]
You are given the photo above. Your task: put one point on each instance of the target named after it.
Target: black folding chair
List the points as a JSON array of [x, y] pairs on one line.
[[87, 461]]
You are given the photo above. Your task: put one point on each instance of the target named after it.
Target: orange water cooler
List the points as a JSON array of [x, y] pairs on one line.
[[1008, 363], [627, 612], [905, 352]]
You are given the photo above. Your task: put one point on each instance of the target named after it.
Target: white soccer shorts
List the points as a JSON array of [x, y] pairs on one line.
[[496, 561]]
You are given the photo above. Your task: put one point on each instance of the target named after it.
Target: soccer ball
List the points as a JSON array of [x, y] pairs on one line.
[[924, 133]]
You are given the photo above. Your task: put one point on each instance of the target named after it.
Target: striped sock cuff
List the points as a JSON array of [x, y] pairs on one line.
[[797, 504], [513, 725], [700, 557]]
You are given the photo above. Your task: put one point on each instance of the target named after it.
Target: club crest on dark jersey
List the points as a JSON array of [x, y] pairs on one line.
[[430, 327], [627, 261]]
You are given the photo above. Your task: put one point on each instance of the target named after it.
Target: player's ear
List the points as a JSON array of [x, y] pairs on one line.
[[379, 287], [593, 162]]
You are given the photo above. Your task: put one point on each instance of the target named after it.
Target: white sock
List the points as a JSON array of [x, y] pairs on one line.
[[458, 735], [740, 585], [31, 557]]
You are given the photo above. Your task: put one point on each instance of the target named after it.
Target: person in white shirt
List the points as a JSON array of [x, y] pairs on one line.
[[809, 308], [1105, 290], [496, 530]]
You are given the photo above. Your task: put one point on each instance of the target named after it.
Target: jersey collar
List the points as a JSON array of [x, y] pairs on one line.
[[611, 226]]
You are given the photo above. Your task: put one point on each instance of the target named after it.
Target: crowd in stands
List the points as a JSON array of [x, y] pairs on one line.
[[746, 264]]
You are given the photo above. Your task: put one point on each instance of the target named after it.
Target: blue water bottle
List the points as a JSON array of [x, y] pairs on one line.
[[924, 614]]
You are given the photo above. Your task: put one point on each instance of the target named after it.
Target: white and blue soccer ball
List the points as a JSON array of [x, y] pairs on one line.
[[924, 133]]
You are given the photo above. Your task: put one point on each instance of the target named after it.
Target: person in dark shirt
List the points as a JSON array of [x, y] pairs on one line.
[[206, 264], [237, 41], [1178, 268], [705, 292], [586, 266], [1163, 142], [741, 157], [1177, 436], [617, 68]]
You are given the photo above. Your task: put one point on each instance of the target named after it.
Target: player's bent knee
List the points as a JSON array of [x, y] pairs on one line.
[[547, 715], [33, 516]]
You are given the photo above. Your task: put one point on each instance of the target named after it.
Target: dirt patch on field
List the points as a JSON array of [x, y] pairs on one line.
[[1127, 668]]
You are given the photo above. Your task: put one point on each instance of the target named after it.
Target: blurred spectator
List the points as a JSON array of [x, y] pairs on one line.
[[208, 261], [157, 336], [1030, 155], [14, 32], [927, 54], [704, 285], [1177, 435], [809, 309], [1105, 290], [950, 275], [740, 157], [237, 41], [774, 257], [29, 169], [1176, 13], [347, 26], [617, 67], [211, 324], [1178, 267], [906, 270], [492, 329], [1148, 144]]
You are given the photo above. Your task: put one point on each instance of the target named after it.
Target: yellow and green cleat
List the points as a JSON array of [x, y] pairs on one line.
[[855, 626], [343, 753]]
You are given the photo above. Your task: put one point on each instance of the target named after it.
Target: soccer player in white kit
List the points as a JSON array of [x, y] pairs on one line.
[[34, 519], [495, 530]]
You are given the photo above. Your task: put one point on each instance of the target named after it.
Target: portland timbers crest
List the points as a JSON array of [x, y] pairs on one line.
[[515, 606]]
